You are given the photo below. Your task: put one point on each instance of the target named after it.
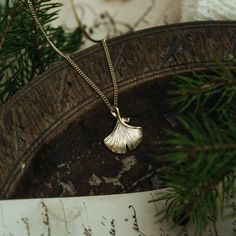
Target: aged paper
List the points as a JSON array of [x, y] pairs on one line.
[[120, 215]]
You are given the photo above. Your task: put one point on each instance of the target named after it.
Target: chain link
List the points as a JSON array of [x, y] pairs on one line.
[[77, 68], [113, 75]]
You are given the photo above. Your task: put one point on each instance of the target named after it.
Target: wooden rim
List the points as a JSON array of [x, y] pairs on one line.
[[49, 103]]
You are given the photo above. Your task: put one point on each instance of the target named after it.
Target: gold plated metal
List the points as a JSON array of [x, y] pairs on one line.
[[123, 136]]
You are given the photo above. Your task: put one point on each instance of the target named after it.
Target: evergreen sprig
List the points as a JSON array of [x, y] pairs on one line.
[[205, 91], [200, 170], [24, 52]]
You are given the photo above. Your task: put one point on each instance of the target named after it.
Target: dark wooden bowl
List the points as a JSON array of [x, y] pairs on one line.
[[51, 131]]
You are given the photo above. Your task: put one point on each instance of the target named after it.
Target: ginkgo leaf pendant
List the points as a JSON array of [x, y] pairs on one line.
[[123, 136]]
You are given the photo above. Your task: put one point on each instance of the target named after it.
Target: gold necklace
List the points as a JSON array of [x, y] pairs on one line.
[[123, 136]]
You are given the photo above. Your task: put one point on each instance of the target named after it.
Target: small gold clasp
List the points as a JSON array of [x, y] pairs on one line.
[[115, 112]]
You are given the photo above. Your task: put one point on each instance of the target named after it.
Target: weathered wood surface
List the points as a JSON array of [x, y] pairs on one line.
[[52, 101]]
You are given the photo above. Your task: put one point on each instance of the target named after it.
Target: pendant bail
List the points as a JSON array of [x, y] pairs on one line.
[[115, 111]]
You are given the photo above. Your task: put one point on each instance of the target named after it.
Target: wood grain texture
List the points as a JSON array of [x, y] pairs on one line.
[[49, 103]]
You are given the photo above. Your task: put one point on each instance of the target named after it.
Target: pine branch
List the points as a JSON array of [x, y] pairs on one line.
[[24, 51], [202, 172], [209, 91]]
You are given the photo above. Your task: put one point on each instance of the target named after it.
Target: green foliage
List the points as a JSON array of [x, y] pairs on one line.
[[205, 91], [24, 52], [205, 160], [200, 169]]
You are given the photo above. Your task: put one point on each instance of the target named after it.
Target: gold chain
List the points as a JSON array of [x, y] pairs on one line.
[[77, 68]]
